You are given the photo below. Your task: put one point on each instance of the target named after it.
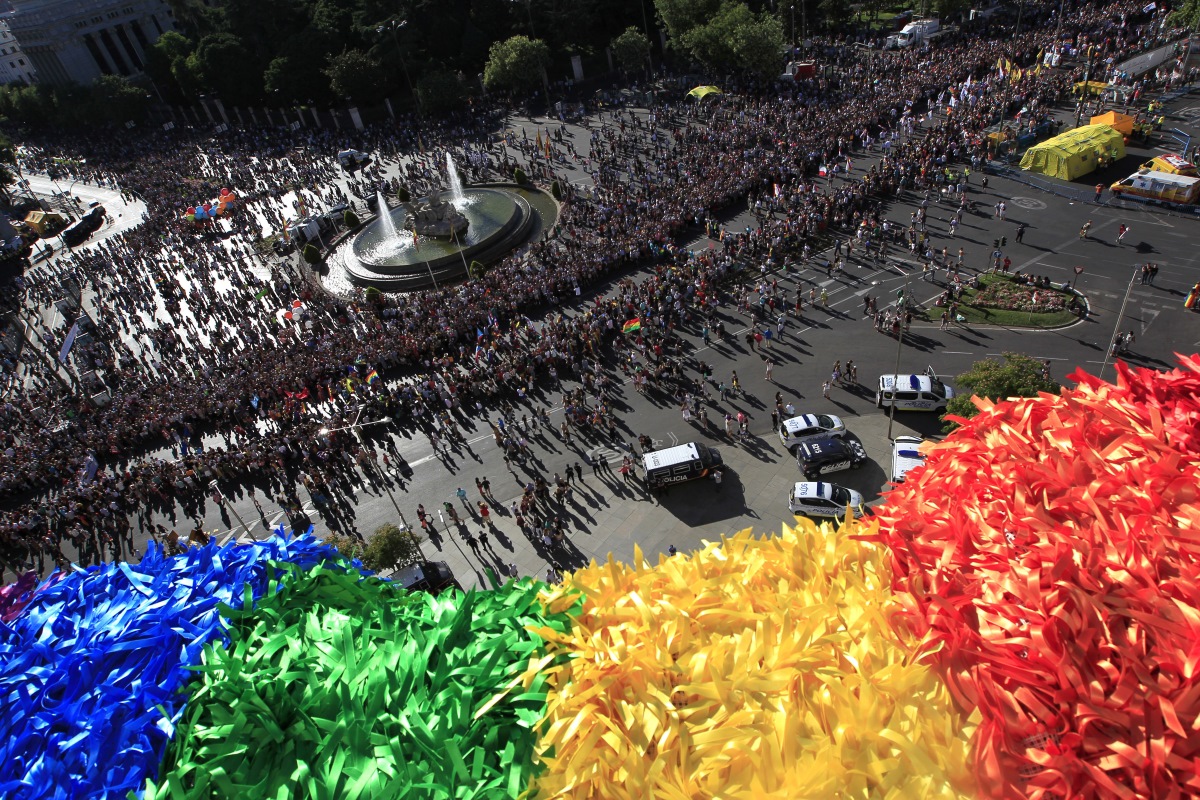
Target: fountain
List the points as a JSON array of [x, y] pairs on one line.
[[385, 218], [456, 185], [483, 223], [433, 216]]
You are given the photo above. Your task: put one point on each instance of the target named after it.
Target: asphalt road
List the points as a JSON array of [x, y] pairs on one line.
[[611, 517]]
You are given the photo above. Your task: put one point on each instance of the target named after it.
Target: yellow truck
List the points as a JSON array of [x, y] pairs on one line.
[[1158, 187]]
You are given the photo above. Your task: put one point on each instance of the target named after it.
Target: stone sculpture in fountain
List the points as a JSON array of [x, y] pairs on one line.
[[435, 217]]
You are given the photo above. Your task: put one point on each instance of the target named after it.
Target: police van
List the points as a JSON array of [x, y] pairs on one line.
[[352, 159], [685, 462], [906, 454], [913, 392]]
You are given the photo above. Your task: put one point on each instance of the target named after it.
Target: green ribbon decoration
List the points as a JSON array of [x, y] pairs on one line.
[[343, 686]]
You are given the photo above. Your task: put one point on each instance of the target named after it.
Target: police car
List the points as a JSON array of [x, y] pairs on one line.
[[914, 392], [809, 426], [818, 457], [813, 499], [906, 455]]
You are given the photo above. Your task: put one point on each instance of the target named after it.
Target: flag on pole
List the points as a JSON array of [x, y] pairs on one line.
[[373, 377], [420, 144], [823, 171], [539, 139], [261, 293], [1149, 8], [634, 324]]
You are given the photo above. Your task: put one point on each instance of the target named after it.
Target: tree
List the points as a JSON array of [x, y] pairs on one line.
[[295, 75], [349, 546], [737, 38], [950, 8], [356, 75], [1187, 16], [516, 63], [835, 12], [631, 49], [681, 16], [440, 92], [1015, 376], [221, 63], [114, 99], [391, 547], [166, 64], [8, 158], [757, 45]]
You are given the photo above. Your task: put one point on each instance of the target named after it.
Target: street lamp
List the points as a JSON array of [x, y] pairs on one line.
[[356, 428], [225, 501], [1112, 344], [396, 25], [1087, 89], [899, 344], [793, 31]]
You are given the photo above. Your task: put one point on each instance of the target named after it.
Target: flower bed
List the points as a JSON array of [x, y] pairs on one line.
[[1012, 296]]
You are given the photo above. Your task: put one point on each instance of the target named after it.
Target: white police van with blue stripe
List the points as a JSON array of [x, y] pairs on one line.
[[913, 392]]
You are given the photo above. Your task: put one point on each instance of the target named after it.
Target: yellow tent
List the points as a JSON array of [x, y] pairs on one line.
[[1122, 122], [701, 92], [1076, 152]]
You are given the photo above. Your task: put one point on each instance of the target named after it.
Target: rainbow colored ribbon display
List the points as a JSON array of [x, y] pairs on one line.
[[1020, 619]]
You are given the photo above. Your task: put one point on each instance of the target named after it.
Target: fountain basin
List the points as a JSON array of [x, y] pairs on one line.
[[498, 220]]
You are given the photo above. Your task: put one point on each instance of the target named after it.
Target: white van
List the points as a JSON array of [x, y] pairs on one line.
[[685, 462], [906, 454], [352, 159], [913, 392]]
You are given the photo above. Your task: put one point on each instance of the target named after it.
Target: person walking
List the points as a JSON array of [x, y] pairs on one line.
[[1020, 237], [1121, 232], [770, 367]]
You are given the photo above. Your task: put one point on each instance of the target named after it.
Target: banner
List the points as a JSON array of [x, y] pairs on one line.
[[68, 343]]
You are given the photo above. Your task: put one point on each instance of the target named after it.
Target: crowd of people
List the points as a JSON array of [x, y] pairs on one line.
[[198, 336]]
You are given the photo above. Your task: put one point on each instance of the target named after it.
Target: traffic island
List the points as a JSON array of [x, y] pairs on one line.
[[1017, 302]]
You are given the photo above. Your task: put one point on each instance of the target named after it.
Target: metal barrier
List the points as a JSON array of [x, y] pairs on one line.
[[1041, 184], [1078, 195]]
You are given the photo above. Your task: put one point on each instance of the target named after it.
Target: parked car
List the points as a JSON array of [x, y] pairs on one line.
[[818, 457], [795, 430], [824, 500]]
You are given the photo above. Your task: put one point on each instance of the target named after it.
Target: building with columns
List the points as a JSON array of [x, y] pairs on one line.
[[14, 64], [77, 41]]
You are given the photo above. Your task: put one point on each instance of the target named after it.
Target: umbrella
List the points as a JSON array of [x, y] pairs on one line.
[[701, 92]]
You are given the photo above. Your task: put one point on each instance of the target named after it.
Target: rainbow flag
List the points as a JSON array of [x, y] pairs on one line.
[[634, 324], [373, 377]]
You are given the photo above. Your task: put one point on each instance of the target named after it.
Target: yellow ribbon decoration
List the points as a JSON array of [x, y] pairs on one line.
[[753, 668]]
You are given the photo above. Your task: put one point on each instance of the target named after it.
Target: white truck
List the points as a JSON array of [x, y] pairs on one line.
[[915, 32]]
